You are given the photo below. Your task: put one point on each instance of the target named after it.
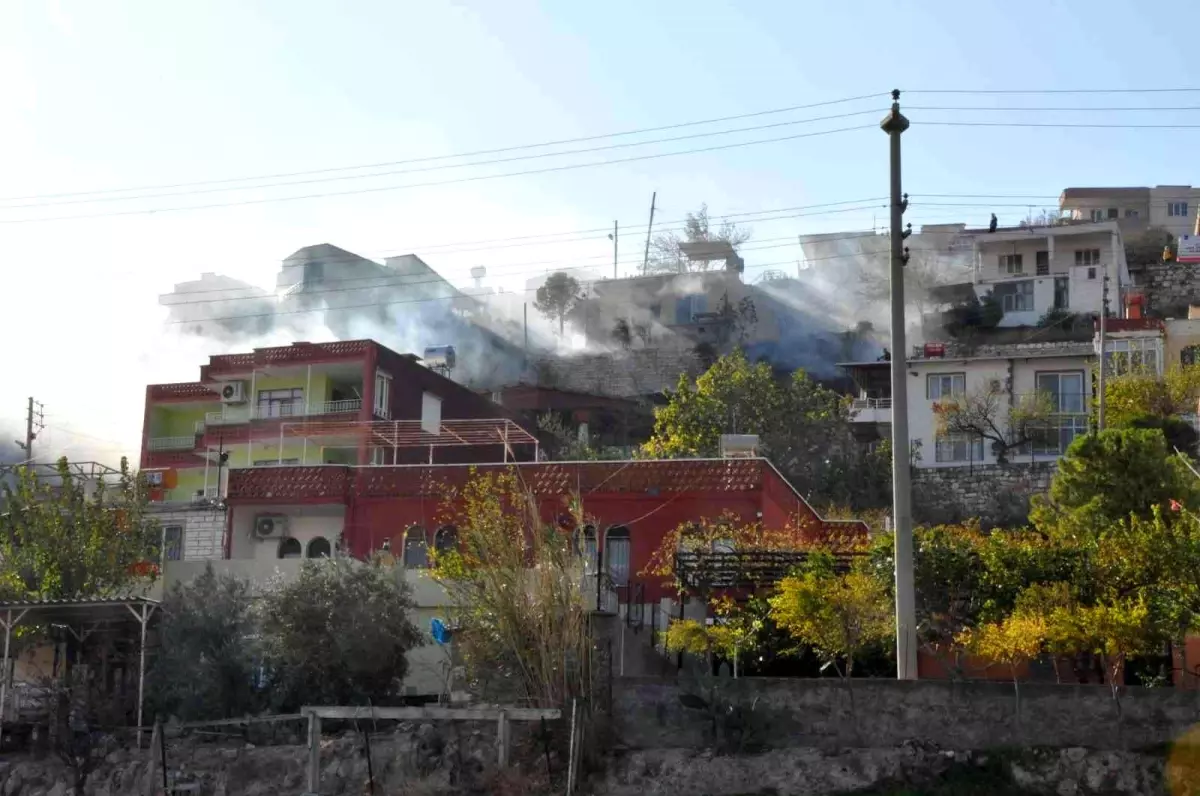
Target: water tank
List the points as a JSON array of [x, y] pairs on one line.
[[439, 357], [739, 446]]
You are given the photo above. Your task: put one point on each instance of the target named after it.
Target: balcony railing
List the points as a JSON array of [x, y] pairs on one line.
[[172, 443], [871, 403], [244, 414]]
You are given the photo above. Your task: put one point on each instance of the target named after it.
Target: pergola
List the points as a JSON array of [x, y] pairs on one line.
[[397, 434], [81, 616]]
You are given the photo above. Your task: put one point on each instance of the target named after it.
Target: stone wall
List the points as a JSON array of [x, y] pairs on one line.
[[997, 494], [757, 713], [1170, 288]]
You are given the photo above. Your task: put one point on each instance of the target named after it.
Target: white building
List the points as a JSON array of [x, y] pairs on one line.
[[1033, 271]]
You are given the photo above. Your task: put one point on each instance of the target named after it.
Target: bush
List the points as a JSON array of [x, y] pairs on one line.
[[205, 666], [337, 635]]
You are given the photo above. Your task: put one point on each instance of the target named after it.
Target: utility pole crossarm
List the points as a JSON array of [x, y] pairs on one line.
[[894, 124]]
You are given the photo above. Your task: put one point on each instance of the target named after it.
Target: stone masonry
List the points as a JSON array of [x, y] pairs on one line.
[[996, 494], [1170, 288]]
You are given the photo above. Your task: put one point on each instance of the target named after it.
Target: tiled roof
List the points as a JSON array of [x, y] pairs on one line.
[[193, 390], [296, 353], [333, 484], [1112, 325]]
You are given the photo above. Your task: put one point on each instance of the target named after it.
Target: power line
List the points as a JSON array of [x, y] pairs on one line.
[[475, 153], [1061, 124], [1076, 109], [1054, 91], [477, 178], [536, 156]]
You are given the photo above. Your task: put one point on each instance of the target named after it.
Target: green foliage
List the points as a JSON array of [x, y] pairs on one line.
[[1106, 477], [973, 315], [840, 615], [515, 592], [557, 297], [1140, 393], [802, 427], [992, 415], [337, 635], [206, 661], [61, 539]]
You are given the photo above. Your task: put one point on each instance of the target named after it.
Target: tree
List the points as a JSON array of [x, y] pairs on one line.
[[990, 414], [1104, 478], [557, 297], [206, 661], [1013, 641], [839, 615], [514, 585], [1140, 398], [337, 635], [802, 426], [666, 256], [59, 538]]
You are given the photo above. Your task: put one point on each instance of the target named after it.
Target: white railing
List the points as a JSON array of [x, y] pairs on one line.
[[335, 407], [227, 416], [199, 426], [172, 443], [871, 403]]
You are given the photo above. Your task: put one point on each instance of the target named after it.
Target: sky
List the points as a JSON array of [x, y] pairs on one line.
[[132, 94]]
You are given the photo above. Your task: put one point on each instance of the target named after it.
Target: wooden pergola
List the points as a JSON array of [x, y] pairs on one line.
[[81, 616]]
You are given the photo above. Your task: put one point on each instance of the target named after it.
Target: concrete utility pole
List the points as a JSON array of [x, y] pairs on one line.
[[894, 124], [614, 240], [33, 417], [650, 226], [1103, 331]]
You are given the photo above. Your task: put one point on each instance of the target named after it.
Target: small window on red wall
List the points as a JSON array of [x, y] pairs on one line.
[[446, 539]]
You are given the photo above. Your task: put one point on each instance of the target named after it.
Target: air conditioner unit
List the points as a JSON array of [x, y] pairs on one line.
[[270, 526], [233, 392]]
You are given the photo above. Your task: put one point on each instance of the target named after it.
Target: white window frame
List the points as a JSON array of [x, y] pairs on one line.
[[1135, 353], [1012, 264], [179, 544], [1177, 209], [383, 394], [282, 402], [957, 381], [1098, 214], [1059, 409], [1087, 257], [956, 448], [1020, 299]]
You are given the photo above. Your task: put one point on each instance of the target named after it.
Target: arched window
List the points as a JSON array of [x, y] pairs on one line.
[[616, 554], [319, 548], [290, 548], [416, 555], [446, 539]]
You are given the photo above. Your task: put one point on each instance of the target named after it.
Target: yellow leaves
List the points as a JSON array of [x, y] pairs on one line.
[[1014, 640]]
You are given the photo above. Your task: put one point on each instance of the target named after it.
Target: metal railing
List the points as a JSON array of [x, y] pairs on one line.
[[244, 414], [871, 403], [171, 443]]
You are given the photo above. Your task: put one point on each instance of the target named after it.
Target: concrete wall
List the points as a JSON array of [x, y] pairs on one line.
[[304, 523], [827, 714], [1180, 334]]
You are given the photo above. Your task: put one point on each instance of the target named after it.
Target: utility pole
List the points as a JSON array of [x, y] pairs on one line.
[[894, 124], [650, 226], [613, 236], [35, 421], [1103, 365]]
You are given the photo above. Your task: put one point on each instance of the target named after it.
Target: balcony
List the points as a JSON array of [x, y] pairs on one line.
[[172, 443], [235, 414], [871, 410]]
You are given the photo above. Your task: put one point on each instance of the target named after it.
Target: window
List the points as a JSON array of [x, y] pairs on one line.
[[1012, 264], [172, 543], [1019, 298], [1057, 435], [1065, 390], [1131, 214], [383, 395], [318, 548], [959, 448], [290, 548], [281, 403], [1062, 292], [1091, 273], [688, 307], [1135, 355], [1177, 208], [446, 539], [945, 385], [1113, 213], [1042, 263], [616, 554], [1087, 256], [416, 556], [274, 462], [1097, 215]]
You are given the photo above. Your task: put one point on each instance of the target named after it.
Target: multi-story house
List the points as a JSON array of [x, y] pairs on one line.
[[1171, 207], [283, 469], [1033, 271]]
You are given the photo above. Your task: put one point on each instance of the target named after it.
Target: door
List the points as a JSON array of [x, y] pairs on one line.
[[616, 555]]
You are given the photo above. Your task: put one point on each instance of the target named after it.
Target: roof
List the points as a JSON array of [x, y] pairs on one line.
[[1116, 325], [69, 610], [1104, 193]]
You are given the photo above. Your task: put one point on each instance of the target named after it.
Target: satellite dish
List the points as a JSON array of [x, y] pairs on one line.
[[441, 634]]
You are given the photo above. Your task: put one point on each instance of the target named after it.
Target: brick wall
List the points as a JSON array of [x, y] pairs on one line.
[[203, 531]]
